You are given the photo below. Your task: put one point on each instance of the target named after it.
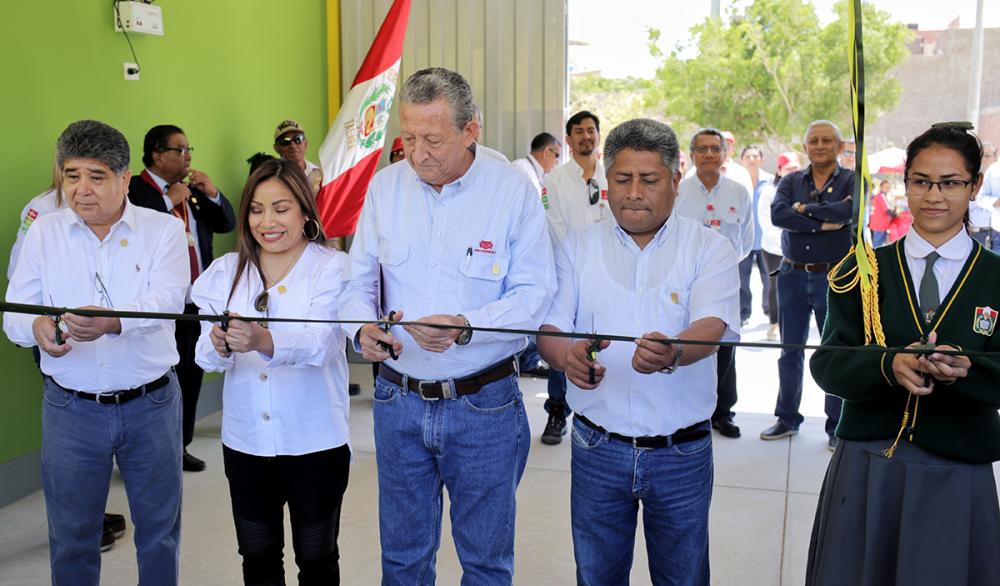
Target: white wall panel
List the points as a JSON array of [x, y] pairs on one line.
[[513, 52]]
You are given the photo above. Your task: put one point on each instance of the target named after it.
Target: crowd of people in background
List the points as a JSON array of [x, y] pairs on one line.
[[631, 237]]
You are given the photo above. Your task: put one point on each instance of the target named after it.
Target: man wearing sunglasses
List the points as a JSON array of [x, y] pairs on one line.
[[575, 195], [290, 143], [725, 206], [205, 211]]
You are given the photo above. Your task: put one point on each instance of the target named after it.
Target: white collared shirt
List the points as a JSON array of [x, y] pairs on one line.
[[534, 171], [479, 248], [686, 273], [770, 240], [492, 153], [40, 205], [989, 194], [727, 209], [294, 402], [566, 198], [953, 253], [143, 266]]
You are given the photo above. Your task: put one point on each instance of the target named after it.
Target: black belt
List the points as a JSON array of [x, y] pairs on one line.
[[432, 390], [681, 436], [811, 267], [118, 397]]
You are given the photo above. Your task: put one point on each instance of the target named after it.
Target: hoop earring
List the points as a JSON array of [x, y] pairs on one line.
[[316, 231]]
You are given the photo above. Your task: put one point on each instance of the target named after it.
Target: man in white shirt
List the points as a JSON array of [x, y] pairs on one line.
[[452, 238], [575, 195], [290, 143], [723, 205], [542, 159], [988, 204], [110, 394], [642, 408]]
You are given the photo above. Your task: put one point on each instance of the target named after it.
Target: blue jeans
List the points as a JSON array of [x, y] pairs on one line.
[[80, 441], [993, 243], [476, 446], [801, 295], [674, 485]]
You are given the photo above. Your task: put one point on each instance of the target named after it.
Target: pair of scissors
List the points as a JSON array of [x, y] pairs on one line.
[[58, 319], [592, 350], [385, 328]]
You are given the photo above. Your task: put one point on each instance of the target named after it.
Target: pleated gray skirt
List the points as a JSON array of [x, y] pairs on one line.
[[916, 519]]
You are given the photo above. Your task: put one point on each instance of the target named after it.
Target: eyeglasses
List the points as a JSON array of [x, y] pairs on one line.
[[948, 187], [184, 151], [102, 291], [260, 304], [848, 153], [595, 191], [287, 140], [715, 150]]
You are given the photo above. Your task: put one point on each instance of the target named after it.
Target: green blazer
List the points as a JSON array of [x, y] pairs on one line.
[[959, 420]]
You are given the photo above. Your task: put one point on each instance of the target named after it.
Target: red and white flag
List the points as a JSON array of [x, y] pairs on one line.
[[353, 145]]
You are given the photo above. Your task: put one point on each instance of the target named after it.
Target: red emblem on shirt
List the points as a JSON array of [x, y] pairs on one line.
[[732, 209], [710, 207], [485, 245], [604, 194], [32, 213]]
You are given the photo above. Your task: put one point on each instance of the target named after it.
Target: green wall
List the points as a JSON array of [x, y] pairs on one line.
[[227, 71]]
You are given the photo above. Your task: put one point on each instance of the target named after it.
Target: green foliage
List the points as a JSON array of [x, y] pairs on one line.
[[613, 100], [772, 69]]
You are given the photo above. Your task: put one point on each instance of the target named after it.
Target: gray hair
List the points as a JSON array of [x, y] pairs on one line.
[[709, 132], [643, 134], [90, 139], [477, 113], [427, 85], [815, 123]]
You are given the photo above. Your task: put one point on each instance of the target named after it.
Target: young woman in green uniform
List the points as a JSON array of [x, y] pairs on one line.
[[910, 496]]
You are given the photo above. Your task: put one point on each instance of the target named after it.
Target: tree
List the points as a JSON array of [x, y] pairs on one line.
[[772, 69], [613, 100]]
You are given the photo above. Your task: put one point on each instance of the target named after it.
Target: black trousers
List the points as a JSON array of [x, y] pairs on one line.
[[189, 374], [725, 369], [313, 486], [772, 262]]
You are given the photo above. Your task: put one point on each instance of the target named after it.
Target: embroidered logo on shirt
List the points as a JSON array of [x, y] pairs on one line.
[[29, 219], [486, 247], [984, 321]]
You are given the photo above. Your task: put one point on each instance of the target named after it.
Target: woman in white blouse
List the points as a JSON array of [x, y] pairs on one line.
[[285, 405]]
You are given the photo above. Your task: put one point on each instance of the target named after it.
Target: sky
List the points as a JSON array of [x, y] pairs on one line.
[[617, 38]]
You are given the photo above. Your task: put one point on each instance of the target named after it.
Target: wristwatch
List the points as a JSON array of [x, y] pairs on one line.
[[677, 361], [466, 335]]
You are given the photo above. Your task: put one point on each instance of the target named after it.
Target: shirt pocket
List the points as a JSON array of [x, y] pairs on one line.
[[731, 215], [392, 253], [484, 276], [674, 313]]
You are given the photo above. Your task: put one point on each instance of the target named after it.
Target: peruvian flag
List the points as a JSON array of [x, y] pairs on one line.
[[353, 145]]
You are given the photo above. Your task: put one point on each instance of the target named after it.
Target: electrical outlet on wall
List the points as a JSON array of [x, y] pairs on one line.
[[131, 71]]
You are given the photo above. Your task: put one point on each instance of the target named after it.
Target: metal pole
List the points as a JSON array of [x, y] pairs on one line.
[[975, 88], [717, 9]]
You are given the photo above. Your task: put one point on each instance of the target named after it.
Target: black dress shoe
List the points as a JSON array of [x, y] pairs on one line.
[[726, 428], [353, 389], [192, 464], [115, 523], [539, 371], [107, 539], [555, 428], [777, 431]]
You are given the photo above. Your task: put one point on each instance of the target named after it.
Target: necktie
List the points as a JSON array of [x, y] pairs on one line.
[[930, 299]]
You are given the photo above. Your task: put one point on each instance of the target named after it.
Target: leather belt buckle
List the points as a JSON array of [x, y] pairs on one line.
[[427, 384]]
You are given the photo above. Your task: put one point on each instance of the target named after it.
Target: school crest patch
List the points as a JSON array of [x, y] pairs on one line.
[[985, 321]]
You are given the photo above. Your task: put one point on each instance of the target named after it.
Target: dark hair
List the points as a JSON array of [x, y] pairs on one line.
[[578, 118], [709, 132], [752, 147], [294, 178], [950, 137], [156, 140], [542, 141], [955, 137], [90, 139], [258, 159], [645, 135]]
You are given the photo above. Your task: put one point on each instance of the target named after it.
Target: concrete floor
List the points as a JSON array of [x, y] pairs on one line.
[[762, 510]]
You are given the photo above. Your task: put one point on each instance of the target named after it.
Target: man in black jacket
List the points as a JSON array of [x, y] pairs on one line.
[[166, 155]]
